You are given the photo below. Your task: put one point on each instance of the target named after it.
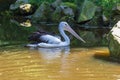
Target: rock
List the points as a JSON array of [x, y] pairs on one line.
[[17, 4], [90, 38], [43, 13], [87, 11], [63, 12], [21, 21], [56, 4], [73, 6], [114, 41], [56, 16], [115, 17], [22, 7], [67, 10], [105, 20], [99, 20], [26, 9], [116, 9]]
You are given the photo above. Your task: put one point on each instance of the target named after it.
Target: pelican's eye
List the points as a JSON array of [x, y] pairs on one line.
[[65, 24]]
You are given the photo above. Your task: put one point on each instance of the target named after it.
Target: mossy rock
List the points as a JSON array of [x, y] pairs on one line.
[[114, 41], [43, 13], [56, 3], [114, 48], [63, 12], [67, 18], [56, 16], [115, 16], [22, 7], [71, 5], [87, 11], [90, 38], [116, 9]]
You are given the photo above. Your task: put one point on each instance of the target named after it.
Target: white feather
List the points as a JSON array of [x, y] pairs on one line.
[[50, 39], [63, 44]]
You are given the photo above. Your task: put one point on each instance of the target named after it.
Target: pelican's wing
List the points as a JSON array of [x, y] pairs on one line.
[[50, 34], [50, 39]]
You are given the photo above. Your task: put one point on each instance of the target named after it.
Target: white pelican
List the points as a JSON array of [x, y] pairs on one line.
[[47, 40]]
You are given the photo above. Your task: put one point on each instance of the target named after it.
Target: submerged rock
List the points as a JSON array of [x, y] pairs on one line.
[[87, 11], [114, 41], [27, 23]]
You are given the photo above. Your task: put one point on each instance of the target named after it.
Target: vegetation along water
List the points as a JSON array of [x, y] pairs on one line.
[[93, 20]]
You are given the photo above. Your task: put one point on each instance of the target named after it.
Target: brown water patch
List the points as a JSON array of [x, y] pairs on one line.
[[57, 64]]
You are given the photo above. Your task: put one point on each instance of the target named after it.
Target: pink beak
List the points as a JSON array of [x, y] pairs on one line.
[[69, 29]]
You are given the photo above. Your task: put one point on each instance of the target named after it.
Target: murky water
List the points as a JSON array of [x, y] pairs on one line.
[[57, 64]]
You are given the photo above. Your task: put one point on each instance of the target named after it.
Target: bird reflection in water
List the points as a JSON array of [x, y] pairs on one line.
[[53, 53]]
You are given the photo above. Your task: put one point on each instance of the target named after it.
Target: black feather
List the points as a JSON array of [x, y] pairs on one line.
[[35, 36]]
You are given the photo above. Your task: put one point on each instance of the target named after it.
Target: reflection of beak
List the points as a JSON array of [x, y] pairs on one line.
[[69, 29]]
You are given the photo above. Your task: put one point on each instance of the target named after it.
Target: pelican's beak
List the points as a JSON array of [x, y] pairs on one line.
[[69, 29]]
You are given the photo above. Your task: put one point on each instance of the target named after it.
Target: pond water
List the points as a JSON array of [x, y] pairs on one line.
[[63, 63]]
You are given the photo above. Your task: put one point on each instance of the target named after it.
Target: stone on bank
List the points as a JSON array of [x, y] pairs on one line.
[[114, 41]]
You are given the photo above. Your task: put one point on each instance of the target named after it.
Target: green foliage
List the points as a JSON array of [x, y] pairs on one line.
[[38, 2], [12, 32], [107, 5]]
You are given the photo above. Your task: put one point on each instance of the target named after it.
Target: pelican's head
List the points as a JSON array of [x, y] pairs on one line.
[[65, 26]]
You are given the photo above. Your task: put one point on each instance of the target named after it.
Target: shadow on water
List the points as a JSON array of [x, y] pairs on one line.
[[105, 56]]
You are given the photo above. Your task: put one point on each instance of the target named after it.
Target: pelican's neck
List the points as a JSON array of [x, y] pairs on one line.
[[66, 38]]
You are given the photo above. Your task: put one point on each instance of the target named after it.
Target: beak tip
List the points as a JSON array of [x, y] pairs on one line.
[[84, 41]]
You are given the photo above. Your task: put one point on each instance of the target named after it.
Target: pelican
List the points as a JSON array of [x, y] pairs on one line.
[[47, 40]]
